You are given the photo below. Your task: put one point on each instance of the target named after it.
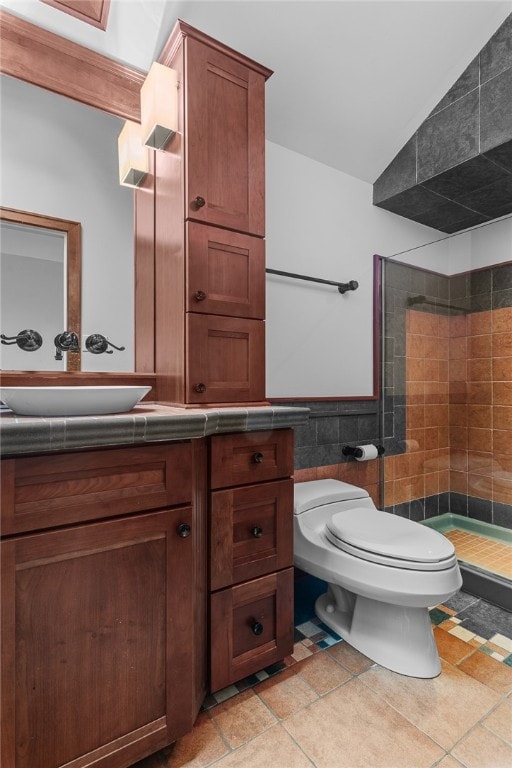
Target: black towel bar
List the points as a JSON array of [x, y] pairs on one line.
[[352, 285]]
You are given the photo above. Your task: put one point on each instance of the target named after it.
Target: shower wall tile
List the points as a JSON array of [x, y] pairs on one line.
[[449, 137], [501, 155], [448, 216], [480, 509], [502, 278], [487, 199], [496, 107], [399, 175], [333, 424], [474, 173], [502, 514], [467, 464], [463, 149], [496, 55], [469, 80]]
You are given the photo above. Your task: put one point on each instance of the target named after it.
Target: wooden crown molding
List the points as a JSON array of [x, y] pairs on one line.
[[93, 12], [50, 61], [183, 30]]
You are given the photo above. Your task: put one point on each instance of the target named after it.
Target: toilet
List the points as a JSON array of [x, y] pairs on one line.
[[383, 573]]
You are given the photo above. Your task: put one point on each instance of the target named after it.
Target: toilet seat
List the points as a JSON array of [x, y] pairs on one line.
[[380, 537]]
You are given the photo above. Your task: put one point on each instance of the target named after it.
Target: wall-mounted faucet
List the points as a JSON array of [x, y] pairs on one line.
[[67, 341], [97, 344], [27, 340]]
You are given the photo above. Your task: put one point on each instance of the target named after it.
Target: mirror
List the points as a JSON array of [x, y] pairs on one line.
[[59, 162], [40, 279]]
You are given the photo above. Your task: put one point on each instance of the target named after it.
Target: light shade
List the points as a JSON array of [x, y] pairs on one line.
[[159, 106], [133, 156]]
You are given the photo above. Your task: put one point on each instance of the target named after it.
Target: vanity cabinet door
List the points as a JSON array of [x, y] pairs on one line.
[[225, 179], [98, 660], [225, 272], [225, 359]]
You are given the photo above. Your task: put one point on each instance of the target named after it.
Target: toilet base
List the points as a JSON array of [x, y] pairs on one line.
[[397, 637]]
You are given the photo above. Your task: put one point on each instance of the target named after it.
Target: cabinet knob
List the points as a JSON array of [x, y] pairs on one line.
[[257, 628], [184, 530], [200, 388], [257, 457], [199, 295], [199, 202], [257, 532]]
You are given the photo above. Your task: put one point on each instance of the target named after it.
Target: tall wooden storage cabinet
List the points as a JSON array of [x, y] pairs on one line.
[[209, 225]]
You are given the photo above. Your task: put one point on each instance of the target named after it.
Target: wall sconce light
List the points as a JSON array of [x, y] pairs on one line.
[[133, 156], [159, 106]]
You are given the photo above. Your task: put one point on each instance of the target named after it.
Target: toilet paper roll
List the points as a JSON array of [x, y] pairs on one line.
[[366, 452]]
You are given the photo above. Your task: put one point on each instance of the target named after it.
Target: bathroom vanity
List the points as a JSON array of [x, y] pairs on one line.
[[136, 578], [147, 556]]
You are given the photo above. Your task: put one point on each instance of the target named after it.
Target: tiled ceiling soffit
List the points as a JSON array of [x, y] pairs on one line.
[[456, 171]]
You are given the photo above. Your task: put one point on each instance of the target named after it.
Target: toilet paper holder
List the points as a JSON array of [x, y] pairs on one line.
[[357, 451]]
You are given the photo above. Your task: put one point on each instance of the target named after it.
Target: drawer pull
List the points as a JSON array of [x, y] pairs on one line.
[[184, 530], [200, 388], [257, 457], [257, 628], [199, 295], [199, 202], [257, 532]]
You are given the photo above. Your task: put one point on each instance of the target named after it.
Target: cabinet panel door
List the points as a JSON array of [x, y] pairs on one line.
[[226, 359], [251, 627], [96, 624], [226, 141], [251, 532], [225, 272]]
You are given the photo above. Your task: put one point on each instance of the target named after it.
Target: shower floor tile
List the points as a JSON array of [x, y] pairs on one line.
[[477, 550]]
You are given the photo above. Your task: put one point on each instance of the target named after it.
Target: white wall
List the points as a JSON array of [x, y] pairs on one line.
[[30, 298], [59, 158], [321, 222], [483, 246]]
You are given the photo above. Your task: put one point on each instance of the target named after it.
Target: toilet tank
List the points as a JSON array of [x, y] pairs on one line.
[[316, 493]]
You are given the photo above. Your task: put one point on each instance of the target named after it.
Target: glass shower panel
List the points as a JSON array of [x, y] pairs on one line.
[[447, 378]]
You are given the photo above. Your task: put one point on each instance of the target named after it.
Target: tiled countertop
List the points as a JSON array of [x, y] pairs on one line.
[[146, 423]]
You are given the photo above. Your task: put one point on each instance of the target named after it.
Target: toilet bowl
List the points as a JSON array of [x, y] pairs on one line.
[[383, 573]]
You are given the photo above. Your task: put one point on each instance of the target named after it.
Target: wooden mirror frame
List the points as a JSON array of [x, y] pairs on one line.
[[41, 58], [73, 232]]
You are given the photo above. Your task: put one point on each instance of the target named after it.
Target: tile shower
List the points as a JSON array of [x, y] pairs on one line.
[[447, 394], [446, 407]]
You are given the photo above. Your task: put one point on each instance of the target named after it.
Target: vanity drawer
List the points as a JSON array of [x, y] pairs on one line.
[[251, 627], [49, 491], [251, 532], [250, 457]]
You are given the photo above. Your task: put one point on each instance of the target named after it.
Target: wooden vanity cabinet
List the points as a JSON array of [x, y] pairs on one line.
[[251, 553], [103, 621], [207, 189]]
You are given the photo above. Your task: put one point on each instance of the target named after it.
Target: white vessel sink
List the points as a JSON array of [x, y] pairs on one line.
[[71, 401]]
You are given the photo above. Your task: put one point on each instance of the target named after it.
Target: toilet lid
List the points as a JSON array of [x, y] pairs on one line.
[[386, 538]]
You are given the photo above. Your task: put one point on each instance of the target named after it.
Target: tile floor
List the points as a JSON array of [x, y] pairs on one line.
[[328, 706], [494, 556]]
